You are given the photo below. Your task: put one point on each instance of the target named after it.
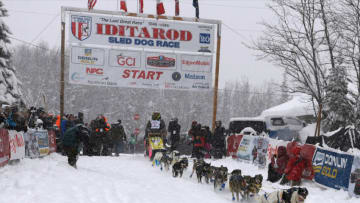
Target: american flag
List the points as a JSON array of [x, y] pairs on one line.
[[91, 4], [160, 7], [141, 8], [123, 5], [177, 8]]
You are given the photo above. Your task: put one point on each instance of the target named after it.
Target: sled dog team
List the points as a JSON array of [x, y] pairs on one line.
[[246, 186]]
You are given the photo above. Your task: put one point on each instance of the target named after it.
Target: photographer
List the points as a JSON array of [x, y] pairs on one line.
[[174, 130], [118, 137], [100, 139]]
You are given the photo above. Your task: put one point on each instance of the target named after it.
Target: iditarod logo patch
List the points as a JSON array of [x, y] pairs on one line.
[[81, 27]]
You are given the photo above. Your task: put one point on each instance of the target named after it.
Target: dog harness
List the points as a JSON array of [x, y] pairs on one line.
[[277, 194]]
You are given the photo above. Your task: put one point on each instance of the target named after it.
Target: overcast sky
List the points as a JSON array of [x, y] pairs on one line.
[[36, 20]]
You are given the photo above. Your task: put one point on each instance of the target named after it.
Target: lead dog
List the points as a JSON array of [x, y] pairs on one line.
[[236, 183], [292, 195], [220, 177]]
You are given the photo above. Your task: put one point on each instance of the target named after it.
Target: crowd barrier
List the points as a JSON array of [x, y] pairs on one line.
[[328, 167], [32, 144]]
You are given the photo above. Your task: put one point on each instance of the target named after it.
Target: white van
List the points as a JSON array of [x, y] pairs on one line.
[[237, 125], [278, 127]]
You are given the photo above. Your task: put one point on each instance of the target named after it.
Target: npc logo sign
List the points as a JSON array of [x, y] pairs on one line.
[[81, 27]]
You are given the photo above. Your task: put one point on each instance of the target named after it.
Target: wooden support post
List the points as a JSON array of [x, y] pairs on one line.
[[216, 76], [62, 64]]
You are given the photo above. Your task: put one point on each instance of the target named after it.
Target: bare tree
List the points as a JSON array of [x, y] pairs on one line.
[[348, 27], [302, 43]]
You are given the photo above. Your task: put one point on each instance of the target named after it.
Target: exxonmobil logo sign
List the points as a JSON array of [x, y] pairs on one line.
[[143, 32], [94, 71]]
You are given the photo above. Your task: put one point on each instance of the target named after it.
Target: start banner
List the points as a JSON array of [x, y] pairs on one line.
[[140, 32], [332, 169], [140, 69]]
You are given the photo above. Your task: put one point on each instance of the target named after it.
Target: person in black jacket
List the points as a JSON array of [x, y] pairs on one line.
[[118, 137], [71, 142], [218, 142], [174, 130]]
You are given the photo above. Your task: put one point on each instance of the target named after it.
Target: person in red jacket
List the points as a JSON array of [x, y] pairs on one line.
[[278, 165], [294, 168]]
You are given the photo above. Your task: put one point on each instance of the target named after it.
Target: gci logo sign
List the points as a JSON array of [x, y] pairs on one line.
[[126, 61], [95, 71], [204, 38]]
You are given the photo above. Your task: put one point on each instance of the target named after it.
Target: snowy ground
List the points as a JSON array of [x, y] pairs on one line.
[[124, 179]]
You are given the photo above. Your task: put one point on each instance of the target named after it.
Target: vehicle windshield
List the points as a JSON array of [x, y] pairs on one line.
[[238, 126]]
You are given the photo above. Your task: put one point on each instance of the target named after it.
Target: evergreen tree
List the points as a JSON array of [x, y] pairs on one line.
[[9, 85], [338, 108]]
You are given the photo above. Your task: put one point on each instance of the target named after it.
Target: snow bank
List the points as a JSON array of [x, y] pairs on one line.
[[128, 178], [297, 106], [307, 131]]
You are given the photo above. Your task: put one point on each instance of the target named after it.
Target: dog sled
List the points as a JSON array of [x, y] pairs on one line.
[[154, 143]]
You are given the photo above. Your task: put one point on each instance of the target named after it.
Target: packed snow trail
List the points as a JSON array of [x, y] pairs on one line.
[[124, 179]]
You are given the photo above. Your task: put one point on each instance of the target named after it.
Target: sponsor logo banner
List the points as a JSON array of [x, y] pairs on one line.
[[125, 59], [126, 31], [196, 63], [31, 144], [89, 56], [161, 61], [260, 151], [139, 69], [246, 147], [17, 145], [332, 169], [43, 141]]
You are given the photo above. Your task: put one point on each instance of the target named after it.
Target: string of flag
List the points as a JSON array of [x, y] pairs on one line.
[[160, 9], [123, 5], [91, 4]]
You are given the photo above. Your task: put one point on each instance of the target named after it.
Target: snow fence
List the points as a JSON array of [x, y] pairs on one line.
[[18, 145], [326, 166]]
